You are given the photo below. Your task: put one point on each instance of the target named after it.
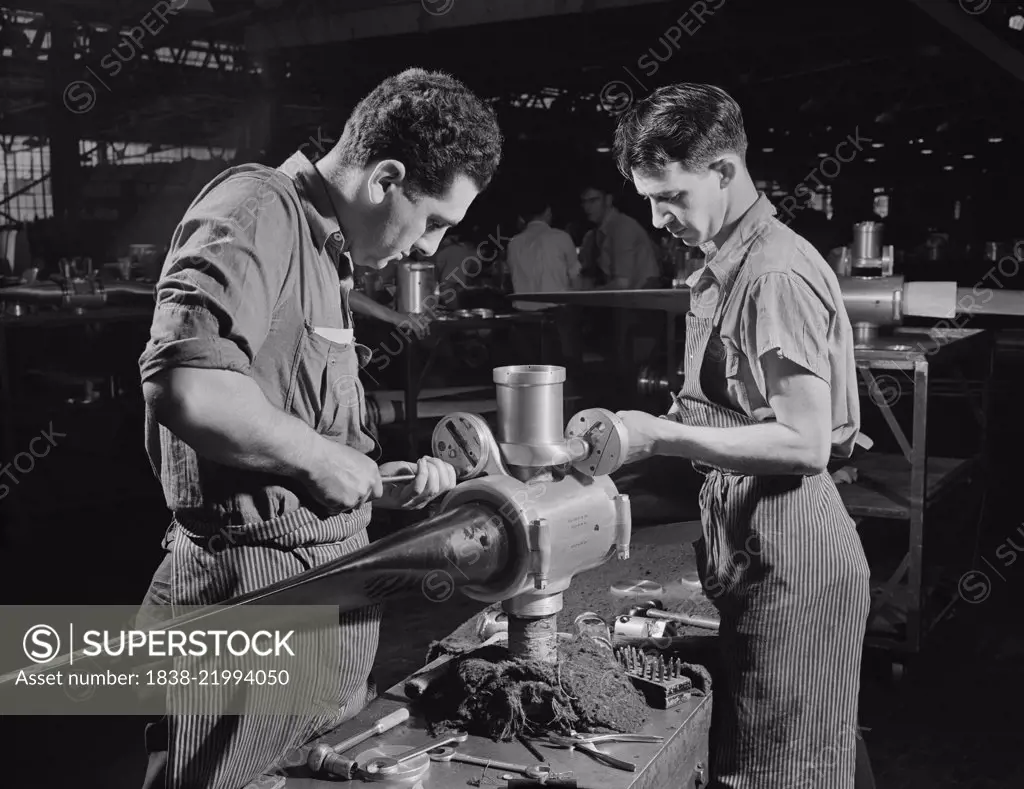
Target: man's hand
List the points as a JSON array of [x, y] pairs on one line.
[[342, 479], [644, 431], [433, 477]]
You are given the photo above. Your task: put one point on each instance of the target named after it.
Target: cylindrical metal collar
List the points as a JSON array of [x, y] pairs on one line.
[[529, 375]]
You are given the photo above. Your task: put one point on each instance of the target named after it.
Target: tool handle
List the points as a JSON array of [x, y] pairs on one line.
[[684, 619], [389, 721], [398, 478], [607, 758]]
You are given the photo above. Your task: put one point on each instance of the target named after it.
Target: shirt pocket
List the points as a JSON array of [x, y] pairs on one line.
[[736, 375], [325, 391]]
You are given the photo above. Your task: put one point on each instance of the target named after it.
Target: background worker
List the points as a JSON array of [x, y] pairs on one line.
[[251, 377], [542, 259], [769, 394], [622, 256]]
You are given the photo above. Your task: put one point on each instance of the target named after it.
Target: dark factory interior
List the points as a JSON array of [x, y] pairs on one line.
[[875, 648]]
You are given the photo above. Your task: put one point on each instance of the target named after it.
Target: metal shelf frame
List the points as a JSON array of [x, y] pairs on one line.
[[904, 487]]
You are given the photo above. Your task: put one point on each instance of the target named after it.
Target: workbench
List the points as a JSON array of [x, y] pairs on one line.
[[905, 487], [680, 762]]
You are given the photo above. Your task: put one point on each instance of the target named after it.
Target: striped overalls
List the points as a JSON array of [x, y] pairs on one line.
[[207, 564], [782, 562]]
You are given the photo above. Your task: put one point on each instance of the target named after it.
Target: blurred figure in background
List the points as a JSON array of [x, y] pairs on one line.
[[450, 261], [624, 257], [541, 258], [618, 246]]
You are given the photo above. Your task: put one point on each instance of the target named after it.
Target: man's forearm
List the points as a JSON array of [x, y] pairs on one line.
[[364, 305], [769, 448], [225, 417]]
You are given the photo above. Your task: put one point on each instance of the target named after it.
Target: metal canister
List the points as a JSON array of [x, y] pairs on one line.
[[416, 282], [867, 241]]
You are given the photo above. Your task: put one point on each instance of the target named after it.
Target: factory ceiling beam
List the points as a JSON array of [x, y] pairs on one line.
[[324, 26], [966, 27]]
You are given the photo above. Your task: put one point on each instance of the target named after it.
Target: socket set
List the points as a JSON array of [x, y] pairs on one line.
[[662, 681]]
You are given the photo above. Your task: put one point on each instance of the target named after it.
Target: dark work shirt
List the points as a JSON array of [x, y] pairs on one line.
[[256, 282]]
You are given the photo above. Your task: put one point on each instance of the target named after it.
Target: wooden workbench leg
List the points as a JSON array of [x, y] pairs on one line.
[[918, 505]]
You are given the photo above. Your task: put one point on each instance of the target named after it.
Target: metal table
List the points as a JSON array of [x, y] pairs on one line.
[[903, 487], [680, 762]]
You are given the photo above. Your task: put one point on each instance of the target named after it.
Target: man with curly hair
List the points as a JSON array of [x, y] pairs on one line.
[[255, 423]]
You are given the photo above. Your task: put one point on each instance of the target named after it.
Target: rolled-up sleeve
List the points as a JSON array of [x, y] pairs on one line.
[[228, 263], [783, 315]]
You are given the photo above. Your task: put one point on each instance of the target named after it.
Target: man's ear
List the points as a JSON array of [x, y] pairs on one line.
[[725, 168], [385, 175]]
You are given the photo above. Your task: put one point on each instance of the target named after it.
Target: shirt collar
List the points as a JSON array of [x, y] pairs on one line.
[[723, 261], [316, 203]]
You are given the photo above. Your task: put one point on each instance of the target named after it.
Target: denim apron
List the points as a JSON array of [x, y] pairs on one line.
[[782, 561], [210, 564]]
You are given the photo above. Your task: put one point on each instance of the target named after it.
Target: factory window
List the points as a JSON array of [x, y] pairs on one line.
[[26, 192], [96, 153]]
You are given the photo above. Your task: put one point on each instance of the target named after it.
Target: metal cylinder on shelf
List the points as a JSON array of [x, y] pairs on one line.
[[417, 281], [871, 303]]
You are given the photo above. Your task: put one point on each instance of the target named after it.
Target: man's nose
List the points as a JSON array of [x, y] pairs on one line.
[[659, 218], [427, 247]]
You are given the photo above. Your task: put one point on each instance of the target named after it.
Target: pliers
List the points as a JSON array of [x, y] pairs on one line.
[[586, 743]]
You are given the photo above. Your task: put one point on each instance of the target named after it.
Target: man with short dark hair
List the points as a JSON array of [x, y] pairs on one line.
[[255, 422], [618, 246], [769, 394]]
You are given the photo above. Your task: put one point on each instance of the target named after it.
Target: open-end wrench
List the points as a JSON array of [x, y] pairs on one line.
[[537, 772], [388, 764]]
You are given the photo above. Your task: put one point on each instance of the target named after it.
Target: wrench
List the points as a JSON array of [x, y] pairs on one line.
[[389, 764], [538, 772]]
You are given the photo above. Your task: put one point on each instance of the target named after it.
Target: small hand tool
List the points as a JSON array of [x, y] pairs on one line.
[[326, 758], [535, 771], [575, 743], [653, 609], [388, 764], [595, 738]]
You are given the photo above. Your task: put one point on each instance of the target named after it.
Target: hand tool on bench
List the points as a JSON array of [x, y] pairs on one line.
[[586, 745], [327, 758], [535, 771], [382, 765], [653, 609]]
